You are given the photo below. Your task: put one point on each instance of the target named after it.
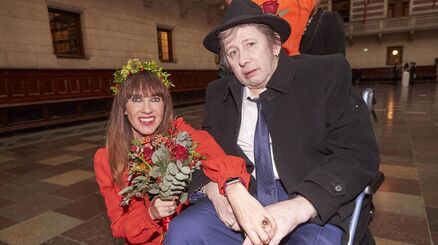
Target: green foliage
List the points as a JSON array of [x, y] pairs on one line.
[[134, 66], [162, 172]]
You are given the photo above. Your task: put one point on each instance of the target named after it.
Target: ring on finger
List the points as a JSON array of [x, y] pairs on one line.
[[265, 223]]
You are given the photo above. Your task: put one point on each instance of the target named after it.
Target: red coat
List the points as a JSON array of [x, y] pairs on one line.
[[296, 13], [134, 222]]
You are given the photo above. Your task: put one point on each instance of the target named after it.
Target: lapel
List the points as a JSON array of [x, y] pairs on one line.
[[233, 95], [279, 84], [234, 92], [274, 103]]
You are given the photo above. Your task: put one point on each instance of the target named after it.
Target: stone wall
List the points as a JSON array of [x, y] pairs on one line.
[[113, 31]]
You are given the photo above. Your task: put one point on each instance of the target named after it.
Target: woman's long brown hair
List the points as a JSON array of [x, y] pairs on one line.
[[119, 131]]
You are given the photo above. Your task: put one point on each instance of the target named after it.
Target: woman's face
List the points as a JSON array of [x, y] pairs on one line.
[[145, 114]]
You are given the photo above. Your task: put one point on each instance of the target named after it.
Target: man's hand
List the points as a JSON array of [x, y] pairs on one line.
[[222, 206], [254, 219], [289, 214]]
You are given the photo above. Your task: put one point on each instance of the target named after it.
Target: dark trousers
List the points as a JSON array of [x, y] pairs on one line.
[[200, 225]]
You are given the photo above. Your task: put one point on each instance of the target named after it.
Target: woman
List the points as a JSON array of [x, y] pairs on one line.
[[143, 107]]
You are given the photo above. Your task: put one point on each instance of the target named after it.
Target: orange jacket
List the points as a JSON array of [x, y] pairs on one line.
[[297, 14], [134, 223]]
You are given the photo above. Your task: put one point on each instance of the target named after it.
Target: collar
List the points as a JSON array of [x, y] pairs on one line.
[[247, 94], [281, 80]]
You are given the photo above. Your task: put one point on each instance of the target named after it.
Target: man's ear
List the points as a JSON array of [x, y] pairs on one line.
[[276, 50]]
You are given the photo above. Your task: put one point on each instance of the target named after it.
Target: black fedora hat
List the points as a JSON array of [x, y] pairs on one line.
[[245, 12]]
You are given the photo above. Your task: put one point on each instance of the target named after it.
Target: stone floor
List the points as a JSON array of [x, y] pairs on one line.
[[48, 194]]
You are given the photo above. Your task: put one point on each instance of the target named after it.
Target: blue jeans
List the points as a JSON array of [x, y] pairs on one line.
[[200, 225]]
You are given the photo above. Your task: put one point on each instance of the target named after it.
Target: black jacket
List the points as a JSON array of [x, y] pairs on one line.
[[323, 143]]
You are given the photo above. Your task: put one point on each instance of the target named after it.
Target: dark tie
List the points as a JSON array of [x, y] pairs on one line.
[[265, 179]]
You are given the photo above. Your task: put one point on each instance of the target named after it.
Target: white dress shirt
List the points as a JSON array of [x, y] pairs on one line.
[[248, 123]]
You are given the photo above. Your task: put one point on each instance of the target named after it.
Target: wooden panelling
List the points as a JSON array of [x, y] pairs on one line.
[[192, 79], [3, 88], [385, 74], [370, 2], [29, 85], [41, 97]]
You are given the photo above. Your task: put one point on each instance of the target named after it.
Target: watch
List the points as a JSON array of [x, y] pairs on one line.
[[232, 180]]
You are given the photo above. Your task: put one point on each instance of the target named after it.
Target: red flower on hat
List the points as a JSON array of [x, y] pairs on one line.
[[270, 7]]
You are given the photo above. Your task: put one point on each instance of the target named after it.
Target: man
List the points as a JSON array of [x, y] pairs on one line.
[[395, 75], [300, 126]]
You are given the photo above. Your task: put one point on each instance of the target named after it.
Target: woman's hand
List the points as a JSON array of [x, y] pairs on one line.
[[221, 205], [162, 208], [254, 219]]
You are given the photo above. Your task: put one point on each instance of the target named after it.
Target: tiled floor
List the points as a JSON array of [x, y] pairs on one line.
[[48, 194]]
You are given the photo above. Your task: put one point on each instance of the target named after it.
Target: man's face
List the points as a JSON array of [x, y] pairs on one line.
[[251, 58]]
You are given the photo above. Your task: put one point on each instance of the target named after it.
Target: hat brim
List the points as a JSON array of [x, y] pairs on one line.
[[279, 25]]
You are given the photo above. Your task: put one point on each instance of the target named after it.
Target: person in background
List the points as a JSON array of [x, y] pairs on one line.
[[304, 131], [406, 67], [142, 107], [295, 12], [412, 73], [324, 34], [395, 75]]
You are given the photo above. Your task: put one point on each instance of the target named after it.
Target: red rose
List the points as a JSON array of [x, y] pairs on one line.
[[147, 153], [270, 7], [180, 152]]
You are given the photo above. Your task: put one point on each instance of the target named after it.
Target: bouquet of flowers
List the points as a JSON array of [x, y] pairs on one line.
[[161, 165]]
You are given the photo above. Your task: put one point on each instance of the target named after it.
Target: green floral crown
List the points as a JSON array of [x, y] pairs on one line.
[[134, 66]]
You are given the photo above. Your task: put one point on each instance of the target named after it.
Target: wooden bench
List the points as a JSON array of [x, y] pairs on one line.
[[373, 75], [426, 74]]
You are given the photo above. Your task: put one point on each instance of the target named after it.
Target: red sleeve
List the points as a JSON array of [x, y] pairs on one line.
[[132, 223], [217, 165]]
